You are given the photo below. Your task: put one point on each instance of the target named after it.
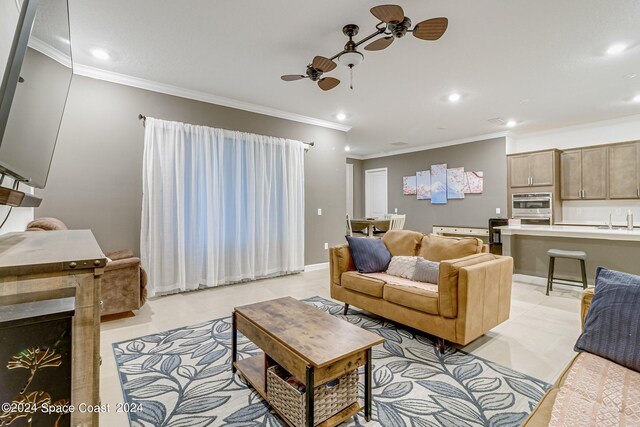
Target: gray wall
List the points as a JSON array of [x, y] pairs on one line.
[[358, 187], [474, 210], [95, 179]]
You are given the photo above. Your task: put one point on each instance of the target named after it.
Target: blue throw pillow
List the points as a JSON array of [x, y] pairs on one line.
[[612, 326], [369, 255]]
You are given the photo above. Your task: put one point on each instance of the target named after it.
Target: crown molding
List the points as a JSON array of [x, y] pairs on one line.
[[50, 51], [436, 145], [632, 118], [123, 79]]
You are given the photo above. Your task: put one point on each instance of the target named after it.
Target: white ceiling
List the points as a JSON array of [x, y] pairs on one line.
[[540, 62]]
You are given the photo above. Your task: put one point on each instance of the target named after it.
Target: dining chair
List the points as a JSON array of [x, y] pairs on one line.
[[397, 222]]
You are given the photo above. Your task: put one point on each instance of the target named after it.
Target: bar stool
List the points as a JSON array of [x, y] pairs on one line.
[[558, 253]]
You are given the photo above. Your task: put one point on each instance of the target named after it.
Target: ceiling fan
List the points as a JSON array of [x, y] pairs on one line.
[[393, 25]]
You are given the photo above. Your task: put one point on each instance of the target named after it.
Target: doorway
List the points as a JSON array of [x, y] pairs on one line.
[[375, 190]]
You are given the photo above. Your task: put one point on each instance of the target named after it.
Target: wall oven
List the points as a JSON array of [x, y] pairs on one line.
[[532, 208]]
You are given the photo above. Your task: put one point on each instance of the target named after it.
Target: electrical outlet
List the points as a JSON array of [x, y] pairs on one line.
[[326, 246], [497, 211], [395, 210], [319, 211]]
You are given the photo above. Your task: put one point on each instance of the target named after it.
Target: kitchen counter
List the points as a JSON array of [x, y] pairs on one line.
[[572, 231], [617, 249]]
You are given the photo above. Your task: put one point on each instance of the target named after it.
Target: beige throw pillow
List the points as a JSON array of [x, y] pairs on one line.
[[402, 266]]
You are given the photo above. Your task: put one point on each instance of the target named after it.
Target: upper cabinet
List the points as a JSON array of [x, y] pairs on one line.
[[624, 171], [583, 174], [531, 169]]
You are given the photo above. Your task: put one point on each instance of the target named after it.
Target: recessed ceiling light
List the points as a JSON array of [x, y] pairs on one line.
[[511, 123], [100, 54], [636, 98], [631, 76], [617, 48], [341, 116], [525, 101], [454, 97], [347, 148]]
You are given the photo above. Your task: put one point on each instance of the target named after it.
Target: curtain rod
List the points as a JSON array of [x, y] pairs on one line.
[[144, 122]]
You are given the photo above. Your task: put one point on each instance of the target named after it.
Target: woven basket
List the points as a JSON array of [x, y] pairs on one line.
[[327, 401]]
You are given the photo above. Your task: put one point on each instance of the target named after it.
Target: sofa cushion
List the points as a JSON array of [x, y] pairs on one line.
[[440, 248], [369, 255], [426, 271], [363, 284], [448, 275], [612, 326], [402, 242], [395, 280], [416, 295], [402, 266], [597, 391]]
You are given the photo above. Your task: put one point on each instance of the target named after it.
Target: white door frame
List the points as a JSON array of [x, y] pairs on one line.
[[350, 190], [368, 190]]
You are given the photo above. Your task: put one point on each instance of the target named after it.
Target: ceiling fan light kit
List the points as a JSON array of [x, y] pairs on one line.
[[393, 25]]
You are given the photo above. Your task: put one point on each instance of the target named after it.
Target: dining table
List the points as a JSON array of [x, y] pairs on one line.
[[370, 224]]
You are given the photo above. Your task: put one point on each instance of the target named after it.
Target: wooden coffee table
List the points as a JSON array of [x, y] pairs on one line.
[[307, 342]]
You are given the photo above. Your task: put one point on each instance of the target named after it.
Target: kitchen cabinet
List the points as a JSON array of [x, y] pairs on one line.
[[583, 174], [532, 169], [624, 171]]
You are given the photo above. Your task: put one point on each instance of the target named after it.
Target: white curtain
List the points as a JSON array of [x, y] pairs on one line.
[[219, 206]]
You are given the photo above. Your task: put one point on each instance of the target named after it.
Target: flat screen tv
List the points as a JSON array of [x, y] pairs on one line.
[[35, 51]]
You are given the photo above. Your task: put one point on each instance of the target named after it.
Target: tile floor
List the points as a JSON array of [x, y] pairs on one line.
[[537, 339]]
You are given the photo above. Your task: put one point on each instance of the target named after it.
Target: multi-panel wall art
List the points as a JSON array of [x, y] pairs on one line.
[[440, 184]]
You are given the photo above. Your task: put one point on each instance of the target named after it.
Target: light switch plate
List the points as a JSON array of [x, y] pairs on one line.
[[395, 210], [497, 211], [326, 246], [319, 211]]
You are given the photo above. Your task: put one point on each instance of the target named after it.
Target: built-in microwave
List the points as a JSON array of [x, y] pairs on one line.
[[532, 208]]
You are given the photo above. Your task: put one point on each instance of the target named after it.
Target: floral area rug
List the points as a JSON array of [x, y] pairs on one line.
[[183, 378]]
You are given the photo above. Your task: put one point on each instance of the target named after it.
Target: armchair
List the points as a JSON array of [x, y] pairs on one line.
[[123, 284]]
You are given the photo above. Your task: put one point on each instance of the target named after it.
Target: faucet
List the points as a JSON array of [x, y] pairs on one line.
[[610, 223]]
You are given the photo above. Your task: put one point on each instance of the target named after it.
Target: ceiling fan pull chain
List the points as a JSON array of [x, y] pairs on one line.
[[351, 77]]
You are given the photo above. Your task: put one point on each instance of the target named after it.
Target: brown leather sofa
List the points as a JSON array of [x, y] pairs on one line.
[[123, 284], [590, 391], [473, 294]]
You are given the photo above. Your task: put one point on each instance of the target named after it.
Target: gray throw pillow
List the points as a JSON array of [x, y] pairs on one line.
[[612, 327], [426, 271]]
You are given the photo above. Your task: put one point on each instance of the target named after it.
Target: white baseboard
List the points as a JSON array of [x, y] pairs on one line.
[[314, 267], [532, 280]]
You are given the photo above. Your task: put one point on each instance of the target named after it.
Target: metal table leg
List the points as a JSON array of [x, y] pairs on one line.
[[309, 389], [367, 387], [234, 342]]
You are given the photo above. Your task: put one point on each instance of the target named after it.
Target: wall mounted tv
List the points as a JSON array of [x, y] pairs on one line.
[[35, 46]]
